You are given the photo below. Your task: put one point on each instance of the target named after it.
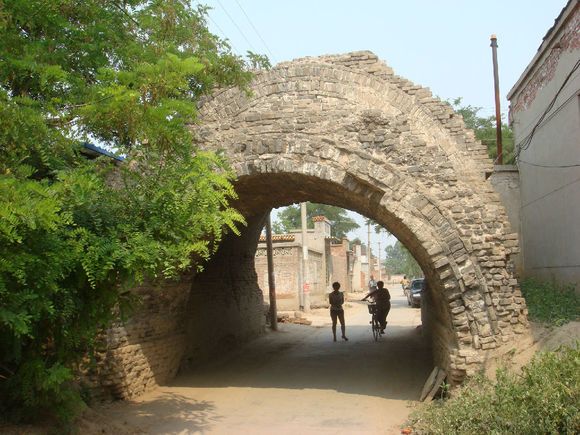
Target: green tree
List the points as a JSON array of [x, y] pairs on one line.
[[76, 235], [289, 218], [357, 241], [258, 61], [399, 260], [485, 130], [376, 226]]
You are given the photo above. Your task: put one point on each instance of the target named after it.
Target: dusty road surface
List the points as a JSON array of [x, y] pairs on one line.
[[296, 381]]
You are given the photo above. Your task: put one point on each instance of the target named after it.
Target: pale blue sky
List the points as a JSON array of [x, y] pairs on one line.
[[443, 45]]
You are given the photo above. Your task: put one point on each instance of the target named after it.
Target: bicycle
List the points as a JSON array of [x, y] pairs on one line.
[[375, 322]]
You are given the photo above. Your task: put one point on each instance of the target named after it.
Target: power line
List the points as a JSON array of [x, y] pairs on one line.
[[550, 193], [556, 110], [526, 142], [256, 31], [222, 33], [549, 166], [236, 25]]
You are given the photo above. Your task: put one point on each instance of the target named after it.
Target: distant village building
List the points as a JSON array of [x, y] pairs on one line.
[[342, 261], [545, 116], [329, 260]]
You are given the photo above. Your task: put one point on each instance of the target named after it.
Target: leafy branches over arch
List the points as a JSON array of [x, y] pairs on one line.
[[76, 234], [289, 218], [399, 260], [485, 130]]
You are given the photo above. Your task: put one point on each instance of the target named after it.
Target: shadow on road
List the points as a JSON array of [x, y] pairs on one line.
[[183, 414], [298, 379], [304, 357]]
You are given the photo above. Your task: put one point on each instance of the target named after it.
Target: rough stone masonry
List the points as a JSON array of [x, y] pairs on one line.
[[343, 130]]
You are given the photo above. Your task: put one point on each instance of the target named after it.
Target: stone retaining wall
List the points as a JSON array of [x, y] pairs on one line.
[[341, 130], [345, 130]]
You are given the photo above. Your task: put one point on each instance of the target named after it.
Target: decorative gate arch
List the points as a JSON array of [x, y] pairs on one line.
[[344, 130]]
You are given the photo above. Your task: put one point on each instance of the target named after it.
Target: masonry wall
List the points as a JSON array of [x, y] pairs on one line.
[[550, 192], [340, 270], [505, 180], [316, 278], [344, 130], [286, 268], [226, 305], [147, 350], [357, 275], [184, 323], [287, 272]]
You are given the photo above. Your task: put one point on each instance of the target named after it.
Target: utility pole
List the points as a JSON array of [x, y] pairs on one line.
[[498, 138], [271, 280], [304, 291], [379, 259], [369, 248]]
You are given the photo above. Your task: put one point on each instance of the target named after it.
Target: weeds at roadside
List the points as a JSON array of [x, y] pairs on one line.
[[549, 303], [543, 399]]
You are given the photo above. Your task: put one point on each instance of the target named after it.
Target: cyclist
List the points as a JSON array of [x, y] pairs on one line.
[[382, 298]]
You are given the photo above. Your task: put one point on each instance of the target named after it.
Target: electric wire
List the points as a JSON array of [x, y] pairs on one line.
[[576, 165], [222, 33], [557, 109], [237, 27], [554, 113], [527, 141], [550, 193], [256, 31]]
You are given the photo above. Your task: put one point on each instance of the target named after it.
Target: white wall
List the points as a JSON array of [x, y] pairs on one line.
[[550, 195]]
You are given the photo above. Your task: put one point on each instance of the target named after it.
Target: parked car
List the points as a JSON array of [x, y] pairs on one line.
[[414, 292]]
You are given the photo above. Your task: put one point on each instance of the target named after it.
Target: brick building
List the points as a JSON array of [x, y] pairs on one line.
[[328, 260]]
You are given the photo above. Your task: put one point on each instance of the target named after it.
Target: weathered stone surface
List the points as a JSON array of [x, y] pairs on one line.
[[345, 130]]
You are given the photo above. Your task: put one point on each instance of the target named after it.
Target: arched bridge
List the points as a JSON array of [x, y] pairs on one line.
[[344, 130]]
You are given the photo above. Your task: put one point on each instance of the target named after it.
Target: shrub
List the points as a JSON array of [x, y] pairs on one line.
[[549, 303], [543, 399], [76, 235]]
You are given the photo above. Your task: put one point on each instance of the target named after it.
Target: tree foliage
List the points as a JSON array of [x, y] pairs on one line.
[[485, 130], [378, 229], [398, 260], [289, 218], [76, 234]]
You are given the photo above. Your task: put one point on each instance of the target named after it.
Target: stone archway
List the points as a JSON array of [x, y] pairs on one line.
[[344, 130]]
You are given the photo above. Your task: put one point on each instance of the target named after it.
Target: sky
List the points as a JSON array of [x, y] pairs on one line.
[[439, 44]]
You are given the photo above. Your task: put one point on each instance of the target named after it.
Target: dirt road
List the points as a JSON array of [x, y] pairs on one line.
[[297, 381]]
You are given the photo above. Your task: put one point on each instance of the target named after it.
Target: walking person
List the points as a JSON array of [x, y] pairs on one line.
[[405, 284], [336, 300], [382, 298]]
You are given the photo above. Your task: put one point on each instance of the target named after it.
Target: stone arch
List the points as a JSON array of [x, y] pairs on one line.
[[345, 130]]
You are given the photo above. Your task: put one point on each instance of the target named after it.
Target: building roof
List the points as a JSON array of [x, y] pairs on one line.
[[279, 238], [94, 150], [546, 42]]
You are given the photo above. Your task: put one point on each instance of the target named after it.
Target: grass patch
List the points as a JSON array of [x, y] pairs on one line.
[[543, 399], [549, 303]]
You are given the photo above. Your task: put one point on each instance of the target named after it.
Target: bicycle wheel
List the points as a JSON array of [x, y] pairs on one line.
[[376, 329]]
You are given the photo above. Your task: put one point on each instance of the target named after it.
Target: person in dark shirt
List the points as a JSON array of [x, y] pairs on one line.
[[382, 298], [336, 300]]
